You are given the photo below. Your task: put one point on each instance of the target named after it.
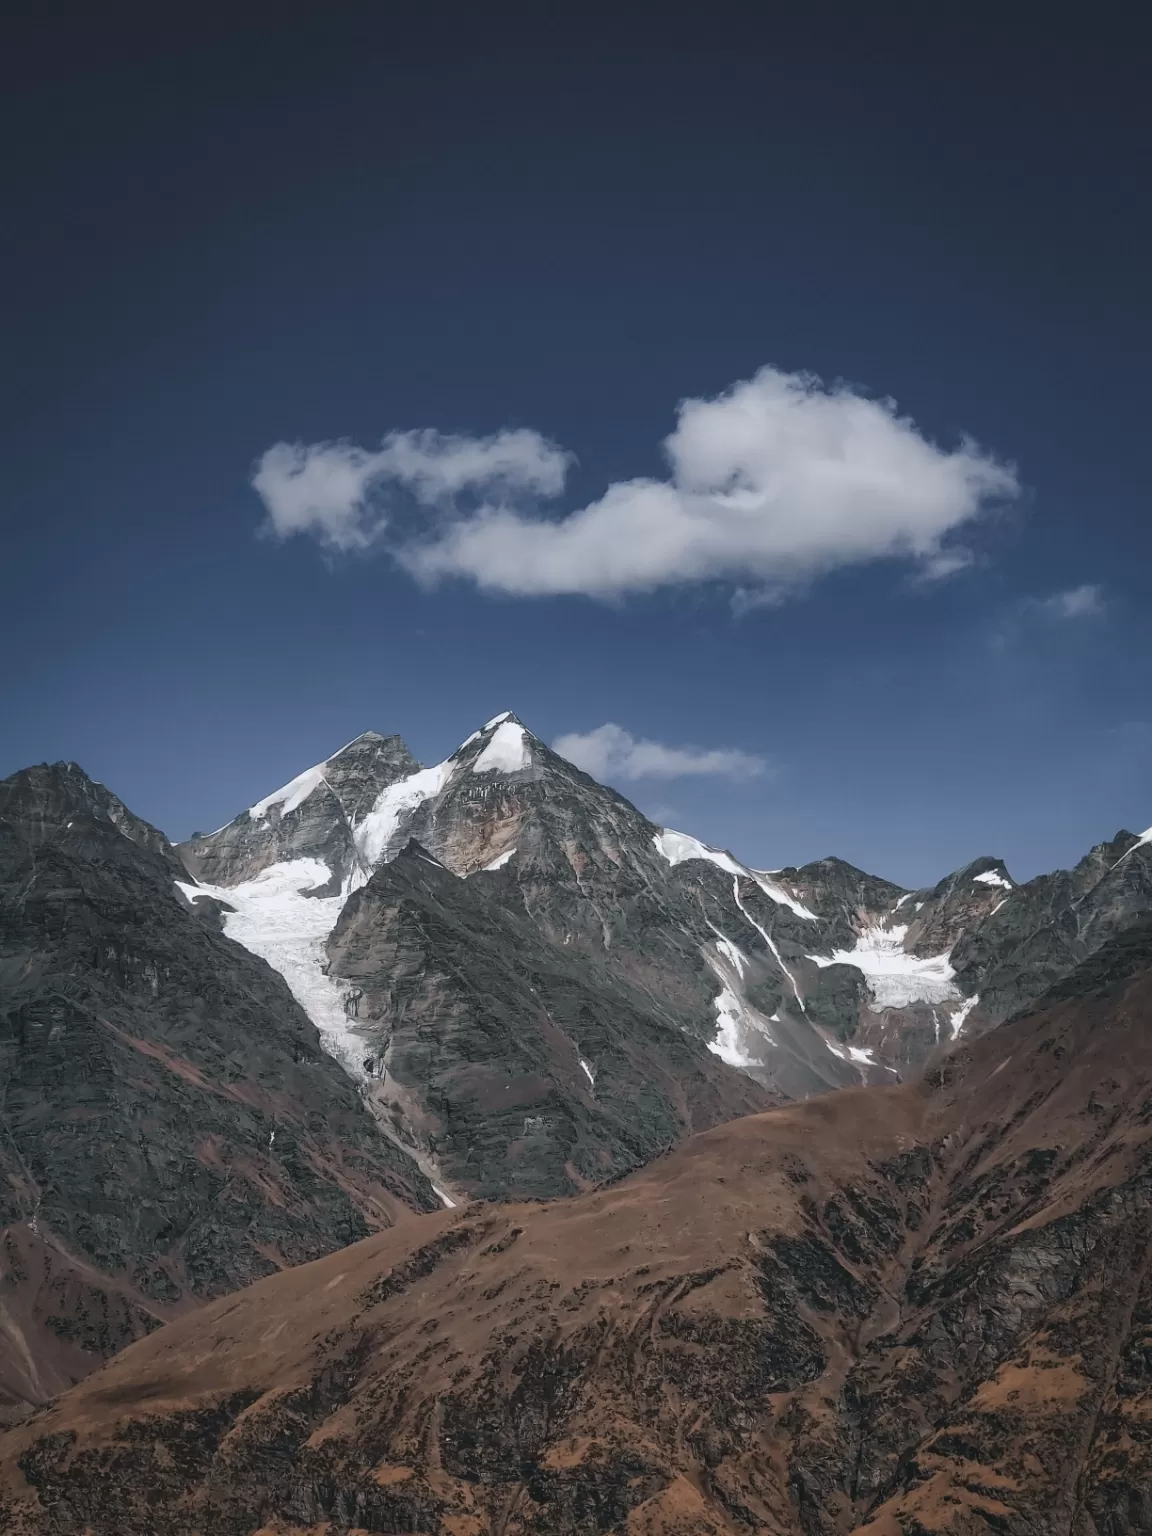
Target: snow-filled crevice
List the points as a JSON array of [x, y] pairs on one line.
[[770, 942]]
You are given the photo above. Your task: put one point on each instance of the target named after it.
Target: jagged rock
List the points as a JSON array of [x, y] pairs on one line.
[[520, 1069]]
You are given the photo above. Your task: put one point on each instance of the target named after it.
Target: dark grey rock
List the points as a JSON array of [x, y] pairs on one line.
[[319, 827], [170, 1127]]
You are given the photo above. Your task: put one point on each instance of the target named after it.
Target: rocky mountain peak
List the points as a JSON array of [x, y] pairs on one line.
[[311, 817], [52, 801]]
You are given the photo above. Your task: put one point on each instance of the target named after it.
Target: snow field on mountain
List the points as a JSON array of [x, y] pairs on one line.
[[288, 930], [373, 834], [508, 750], [274, 920], [294, 793], [895, 978]]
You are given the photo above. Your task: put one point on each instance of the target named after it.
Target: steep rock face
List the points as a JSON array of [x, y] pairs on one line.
[[922, 1308], [806, 979], [311, 817], [517, 1067], [666, 930], [1053, 923], [703, 940], [169, 1126]]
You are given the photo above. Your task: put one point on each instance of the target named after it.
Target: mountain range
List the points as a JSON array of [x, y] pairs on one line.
[[388, 1004]]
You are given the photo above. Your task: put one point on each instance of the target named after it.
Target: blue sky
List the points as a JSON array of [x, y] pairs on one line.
[[336, 231]]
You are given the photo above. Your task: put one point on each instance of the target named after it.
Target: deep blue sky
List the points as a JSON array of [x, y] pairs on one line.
[[274, 229]]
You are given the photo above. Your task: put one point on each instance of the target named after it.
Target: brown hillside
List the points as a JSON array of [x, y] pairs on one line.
[[923, 1308]]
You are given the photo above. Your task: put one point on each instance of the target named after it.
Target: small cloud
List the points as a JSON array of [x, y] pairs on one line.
[[611, 752], [1031, 618], [1076, 603]]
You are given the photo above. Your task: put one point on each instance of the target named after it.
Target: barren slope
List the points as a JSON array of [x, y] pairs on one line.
[[917, 1308]]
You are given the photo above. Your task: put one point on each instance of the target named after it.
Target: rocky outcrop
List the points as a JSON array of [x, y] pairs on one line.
[[517, 1067], [170, 1128], [311, 817], [920, 1308], [1053, 923]]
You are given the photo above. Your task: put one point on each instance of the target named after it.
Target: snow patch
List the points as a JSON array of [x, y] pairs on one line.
[[501, 859], [895, 978], [377, 829], [1141, 841], [960, 1014], [273, 919], [908, 895], [591, 1076], [507, 751], [733, 954], [496, 719], [678, 847], [730, 1024], [856, 1053], [990, 877], [292, 794], [735, 1019]]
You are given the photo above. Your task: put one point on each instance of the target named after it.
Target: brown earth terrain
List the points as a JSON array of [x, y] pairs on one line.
[[923, 1308]]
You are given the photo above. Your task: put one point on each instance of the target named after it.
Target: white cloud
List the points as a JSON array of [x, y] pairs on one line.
[[611, 752], [336, 491], [776, 481], [1076, 603], [771, 484]]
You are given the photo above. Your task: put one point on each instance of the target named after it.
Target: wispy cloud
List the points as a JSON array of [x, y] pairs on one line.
[[1031, 621], [611, 752], [772, 483], [1076, 603], [336, 492]]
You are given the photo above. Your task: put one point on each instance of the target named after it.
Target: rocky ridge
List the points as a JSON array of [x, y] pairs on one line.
[[804, 979]]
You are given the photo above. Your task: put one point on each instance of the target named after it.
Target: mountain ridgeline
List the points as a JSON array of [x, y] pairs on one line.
[[388, 989]]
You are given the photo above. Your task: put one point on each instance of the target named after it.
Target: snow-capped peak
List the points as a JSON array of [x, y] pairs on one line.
[[508, 750]]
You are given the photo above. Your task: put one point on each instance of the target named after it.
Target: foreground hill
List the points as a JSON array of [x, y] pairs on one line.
[[917, 1308]]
